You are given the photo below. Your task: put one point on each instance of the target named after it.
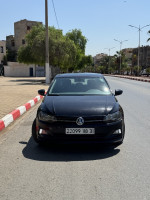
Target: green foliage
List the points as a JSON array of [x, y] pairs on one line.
[[101, 69], [148, 38], [88, 69], [128, 69], [34, 51], [65, 51], [111, 70], [136, 70], [79, 40], [5, 60], [105, 61], [11, 55], [84, 61], [148, 71]]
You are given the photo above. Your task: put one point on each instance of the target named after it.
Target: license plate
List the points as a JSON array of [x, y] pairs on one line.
[[80, 131]]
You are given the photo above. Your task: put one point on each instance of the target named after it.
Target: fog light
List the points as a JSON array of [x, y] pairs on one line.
[[118, 131], [42, 131]]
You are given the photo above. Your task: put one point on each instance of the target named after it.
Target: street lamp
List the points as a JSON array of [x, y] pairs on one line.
[[48, 69], [139, 29], [120, 49], [109, 54]]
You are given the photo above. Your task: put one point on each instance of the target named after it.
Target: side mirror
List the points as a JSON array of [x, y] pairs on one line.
[[118, 92], [41, 92]]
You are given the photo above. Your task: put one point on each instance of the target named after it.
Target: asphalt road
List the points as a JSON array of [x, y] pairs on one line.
[[28, 171]]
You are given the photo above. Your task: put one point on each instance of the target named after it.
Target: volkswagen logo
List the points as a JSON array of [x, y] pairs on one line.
[[80, 121]]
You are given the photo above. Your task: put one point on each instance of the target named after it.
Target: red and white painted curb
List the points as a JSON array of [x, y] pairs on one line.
[[128, 77], [5, 121]]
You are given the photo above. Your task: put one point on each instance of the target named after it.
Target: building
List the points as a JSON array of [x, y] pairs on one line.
[[128, 54], [132, 56], [21, 28], [2, 50], [13, 43], [144, 59], [97, 59]]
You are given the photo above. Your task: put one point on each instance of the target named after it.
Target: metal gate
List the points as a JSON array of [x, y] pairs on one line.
[[1, 70]]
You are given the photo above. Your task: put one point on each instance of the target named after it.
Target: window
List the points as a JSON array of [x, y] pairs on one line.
[[23, 41], [79, 86], [2, 49]]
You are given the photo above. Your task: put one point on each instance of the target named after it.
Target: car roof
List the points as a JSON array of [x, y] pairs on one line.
[[78, 75]]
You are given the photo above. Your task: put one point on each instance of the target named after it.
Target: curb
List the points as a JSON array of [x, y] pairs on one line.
[[5, 121], [131, 78]]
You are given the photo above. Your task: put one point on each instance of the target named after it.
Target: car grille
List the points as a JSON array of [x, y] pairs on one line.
[[87, 120]]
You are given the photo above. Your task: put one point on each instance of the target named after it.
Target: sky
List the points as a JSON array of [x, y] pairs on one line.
[[101, 21]]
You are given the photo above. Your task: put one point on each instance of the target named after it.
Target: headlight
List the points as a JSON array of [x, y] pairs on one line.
[[46, 117], [113, 117]]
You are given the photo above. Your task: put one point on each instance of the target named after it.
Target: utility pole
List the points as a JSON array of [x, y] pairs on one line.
[[48, 69], [139, 29], [120, 50]]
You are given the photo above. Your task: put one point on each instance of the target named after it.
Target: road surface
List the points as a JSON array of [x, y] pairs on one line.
[[28, 171]]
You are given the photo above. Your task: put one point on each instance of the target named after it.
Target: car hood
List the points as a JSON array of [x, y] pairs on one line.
[[79, 105]]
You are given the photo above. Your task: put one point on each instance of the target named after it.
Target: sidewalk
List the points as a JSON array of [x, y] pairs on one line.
[[15, 92]]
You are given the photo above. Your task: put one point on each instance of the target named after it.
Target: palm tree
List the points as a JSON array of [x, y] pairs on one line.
[[148, 38]]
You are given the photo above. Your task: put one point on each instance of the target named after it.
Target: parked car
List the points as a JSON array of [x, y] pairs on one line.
[[145, 72], [79, 108]]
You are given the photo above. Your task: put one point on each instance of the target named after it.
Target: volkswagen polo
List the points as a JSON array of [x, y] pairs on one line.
[[79, 108]]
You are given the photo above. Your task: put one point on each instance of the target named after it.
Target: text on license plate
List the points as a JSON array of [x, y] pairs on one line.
[[80, 131]]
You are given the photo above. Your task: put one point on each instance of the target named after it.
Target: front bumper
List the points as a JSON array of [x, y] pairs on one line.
[[104, 133]]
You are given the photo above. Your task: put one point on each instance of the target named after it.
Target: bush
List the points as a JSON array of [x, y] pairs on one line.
[[148, 71]]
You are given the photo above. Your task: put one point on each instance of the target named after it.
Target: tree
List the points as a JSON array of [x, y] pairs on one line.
[[65, 51], [148, 71], [136, 69], [128, 70], [62, 50], [11, 55], [79, 40], [101, 69], [105, 61], [148, 38], [5, 60], [84, 61]]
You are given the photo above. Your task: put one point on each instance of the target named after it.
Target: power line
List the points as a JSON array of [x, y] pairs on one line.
[[55, 14]]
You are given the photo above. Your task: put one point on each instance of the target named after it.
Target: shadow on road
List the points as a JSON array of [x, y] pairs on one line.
[[29, 81], [62, 153]]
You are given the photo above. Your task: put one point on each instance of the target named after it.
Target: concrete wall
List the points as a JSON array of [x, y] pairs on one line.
[[40, 71], [15, 69]]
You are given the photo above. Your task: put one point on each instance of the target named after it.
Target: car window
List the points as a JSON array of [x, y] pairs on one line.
[[79, 86]]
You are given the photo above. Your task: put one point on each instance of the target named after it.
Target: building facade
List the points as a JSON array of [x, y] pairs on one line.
[[21, 28], [2, 50], [144, 56], [132, 56], [13, 43], [97, 59], [128, 54]]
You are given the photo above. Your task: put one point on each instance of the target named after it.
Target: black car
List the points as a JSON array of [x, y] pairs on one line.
[[79, 108]]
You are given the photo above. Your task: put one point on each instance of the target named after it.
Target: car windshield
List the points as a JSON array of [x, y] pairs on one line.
[[79, 86]]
